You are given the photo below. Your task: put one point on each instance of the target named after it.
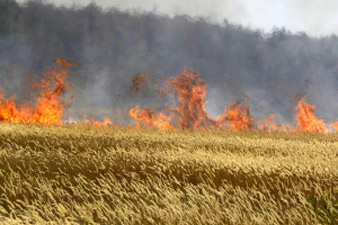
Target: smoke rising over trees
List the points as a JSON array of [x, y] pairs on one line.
[[111, 46]]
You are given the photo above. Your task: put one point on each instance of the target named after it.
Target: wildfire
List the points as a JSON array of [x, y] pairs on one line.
[[48, 108], [10, 112], [191, 91], [105, 123], [237, 117], [335, 125], [271, 125], [150, 118], [189, 112], [306, 119]]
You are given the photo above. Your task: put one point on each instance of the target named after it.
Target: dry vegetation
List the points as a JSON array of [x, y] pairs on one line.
[[75, 174]]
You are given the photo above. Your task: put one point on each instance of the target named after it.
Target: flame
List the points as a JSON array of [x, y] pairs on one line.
[[273, 126], [10, 112], [106, 122], [191, 91], [150, 118], [190, 112], [92, 122], [237, 117], [270, 125], [306, 119], [48, 108], [335, 125]]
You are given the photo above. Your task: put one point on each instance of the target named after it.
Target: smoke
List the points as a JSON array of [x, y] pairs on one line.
[[111, 46]]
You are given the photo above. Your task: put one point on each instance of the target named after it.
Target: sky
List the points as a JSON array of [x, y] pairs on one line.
[[315, 17]]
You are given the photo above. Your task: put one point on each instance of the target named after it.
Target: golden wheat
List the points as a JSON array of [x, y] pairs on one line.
[[75, 174]]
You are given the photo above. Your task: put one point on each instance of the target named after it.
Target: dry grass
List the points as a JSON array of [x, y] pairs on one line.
[[84, 175]]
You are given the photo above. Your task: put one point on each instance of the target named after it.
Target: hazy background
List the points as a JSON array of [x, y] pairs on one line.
[[317, 17], [240, 49]]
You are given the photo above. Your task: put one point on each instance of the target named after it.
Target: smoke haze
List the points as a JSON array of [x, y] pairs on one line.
[[111, 46], [313, 17]]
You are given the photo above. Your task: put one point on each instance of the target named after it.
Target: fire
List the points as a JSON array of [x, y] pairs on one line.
[[106, 122], [306, 119], [237, 117], [10, 112], [335, 125], [189, 112], [273, 126], [92, 122], [48, 108], [191, 91], [150, 118], [270, 125]]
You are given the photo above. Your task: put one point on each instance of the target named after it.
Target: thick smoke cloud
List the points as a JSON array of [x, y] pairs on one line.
[[110, 47]]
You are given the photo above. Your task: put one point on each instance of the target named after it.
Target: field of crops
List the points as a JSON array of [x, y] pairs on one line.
[[77, 174]]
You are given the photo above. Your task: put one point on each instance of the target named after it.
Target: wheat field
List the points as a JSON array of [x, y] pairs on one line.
[[78, 174]]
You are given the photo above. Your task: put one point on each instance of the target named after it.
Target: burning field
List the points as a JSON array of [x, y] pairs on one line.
[[165, 119], [173, 166], [188, 113]]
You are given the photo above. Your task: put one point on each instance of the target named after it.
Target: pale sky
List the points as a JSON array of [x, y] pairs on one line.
[[315, 17]]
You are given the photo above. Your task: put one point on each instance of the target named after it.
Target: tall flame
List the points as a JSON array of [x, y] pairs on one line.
[[190, 111], [191, 91], [48, 108], [306, 119]]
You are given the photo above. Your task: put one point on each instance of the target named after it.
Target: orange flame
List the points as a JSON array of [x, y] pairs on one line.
[[150, 118], [10, 112], [335, 125], [47, 109], [273, 126], [237, 117], [106, 122], [306, 119], [270, 125], [92, 122], [191, 91]]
